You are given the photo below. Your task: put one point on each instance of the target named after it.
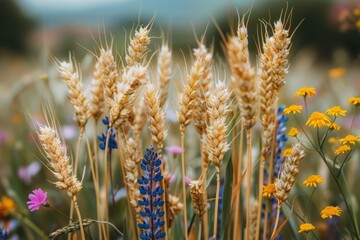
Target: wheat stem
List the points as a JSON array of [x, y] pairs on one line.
[[79, 217], [248, 181], [96, 186], [183, 182], [217, 201], [276, 220], [238, 219]]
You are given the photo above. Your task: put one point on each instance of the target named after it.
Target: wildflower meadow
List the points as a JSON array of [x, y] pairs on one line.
[[143, 140]]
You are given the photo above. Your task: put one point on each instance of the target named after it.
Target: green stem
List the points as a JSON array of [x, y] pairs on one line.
[[308, 202], [344, 163], [30, 224], [342, 194]]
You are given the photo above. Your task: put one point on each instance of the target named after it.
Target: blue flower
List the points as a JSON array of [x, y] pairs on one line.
[[112, 139], [151, 202], [4, 234]]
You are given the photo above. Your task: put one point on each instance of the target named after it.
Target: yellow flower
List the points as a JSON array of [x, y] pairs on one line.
[[337, 72], [357, 24], [287, 152], [268, 190], [349, 139], [330, 211], [342, 149], [306, 227], [313, 180], [7, 205], [293, 132], [355, 100], [318, 119], [332, 140], [334, 126], [306, 91], [293, 109], [336, 111]]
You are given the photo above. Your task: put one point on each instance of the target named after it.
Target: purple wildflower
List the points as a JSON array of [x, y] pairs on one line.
[[37, 198], [27, 173], [174, 150]]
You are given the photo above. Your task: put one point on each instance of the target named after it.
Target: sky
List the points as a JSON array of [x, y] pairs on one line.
[[60, 12]]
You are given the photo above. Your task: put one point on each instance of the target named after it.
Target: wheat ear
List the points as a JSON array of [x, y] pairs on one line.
[[122, 105], [288, 173], [110, 74], [77, 95], [155, 117], [138, 46], [164, 72], [97, 94], [200, 108]]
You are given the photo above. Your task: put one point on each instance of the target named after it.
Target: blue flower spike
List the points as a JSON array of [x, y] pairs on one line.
[[151, 203]]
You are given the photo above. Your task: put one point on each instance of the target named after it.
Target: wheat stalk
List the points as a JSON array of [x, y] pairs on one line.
[[56, 155], [288, 173], [273, 67]]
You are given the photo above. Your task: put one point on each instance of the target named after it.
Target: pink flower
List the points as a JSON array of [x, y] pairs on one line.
[[187, 180], [36, 199], [174, 150]]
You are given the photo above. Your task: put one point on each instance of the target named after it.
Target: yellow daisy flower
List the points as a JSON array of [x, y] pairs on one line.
[[349, 139], [334, 126], [336, 111], [293, 109], [268, 190], [306, 91], [342, 149], [293, 132], [313, 180], [306, 227], [330, 211], [318, 119], [287, 152], [355, 101], [337, 72]]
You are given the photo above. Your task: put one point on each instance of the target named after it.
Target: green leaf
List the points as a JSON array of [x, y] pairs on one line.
[[226, 199]]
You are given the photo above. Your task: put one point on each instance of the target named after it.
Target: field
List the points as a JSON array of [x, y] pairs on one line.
[[239, 136]]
